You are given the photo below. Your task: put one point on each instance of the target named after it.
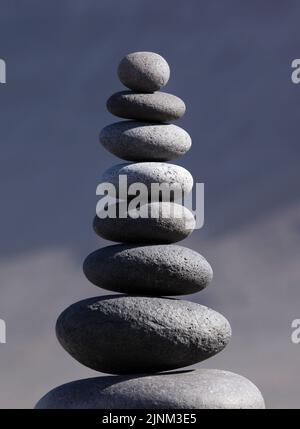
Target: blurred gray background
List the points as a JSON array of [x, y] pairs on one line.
[[230, 62]]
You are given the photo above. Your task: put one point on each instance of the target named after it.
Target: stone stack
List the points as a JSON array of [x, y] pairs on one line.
[[140, 334]]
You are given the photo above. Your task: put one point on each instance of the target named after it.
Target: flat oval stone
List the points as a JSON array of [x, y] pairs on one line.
[[154, 107], [195, 389], [121, 334], [148, 173], [144, 141], [150, 270], [144, 71], [166, 223]]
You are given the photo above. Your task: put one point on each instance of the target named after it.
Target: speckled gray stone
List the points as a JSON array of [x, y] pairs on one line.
[[148, 173], [150, 270], [157, 229], [121, 334], [154, 107], [144, 71], [194, 389], [144, 141]]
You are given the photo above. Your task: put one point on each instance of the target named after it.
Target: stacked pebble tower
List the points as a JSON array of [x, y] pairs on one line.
[[139, 334]]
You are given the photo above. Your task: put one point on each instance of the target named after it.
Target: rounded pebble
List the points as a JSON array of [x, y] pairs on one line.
[[195, 389], [150, 270], [165, 223], [149, 173], [144, 141], [121, 334], [155, 107], [144, 71]]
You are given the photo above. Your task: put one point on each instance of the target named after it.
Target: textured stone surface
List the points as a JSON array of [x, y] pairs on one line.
[[144, 141], [134, 334], [149, 270], [148, 173], [195, 389], [157, 228], [144, 71], [155, 107]]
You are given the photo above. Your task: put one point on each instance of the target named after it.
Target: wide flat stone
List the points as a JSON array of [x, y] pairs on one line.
[[195, 389], [144, 71], [150, 270], [154, 107], [121, 334], [149, 173], [145, 141], [166, 223]]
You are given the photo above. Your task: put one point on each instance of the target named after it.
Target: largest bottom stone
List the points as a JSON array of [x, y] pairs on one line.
[[194, 389]]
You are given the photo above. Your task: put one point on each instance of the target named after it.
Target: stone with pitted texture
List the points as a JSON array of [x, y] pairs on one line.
[[121, 334], [195, 389], [145, 141], [176, 178], [144, 71], [150, 270], [164, 223], [154, 107]]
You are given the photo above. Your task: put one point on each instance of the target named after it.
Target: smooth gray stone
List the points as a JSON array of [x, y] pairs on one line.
[[150, 270], [144, 71], [152, 229], [154, 107], [145, 141], [149, 173], [122, 334], [195, 389]]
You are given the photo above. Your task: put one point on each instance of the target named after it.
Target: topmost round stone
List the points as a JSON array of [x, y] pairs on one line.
[[144, 71]]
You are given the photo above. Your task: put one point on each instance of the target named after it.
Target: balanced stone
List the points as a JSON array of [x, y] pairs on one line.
[[121, 334], [155, 107], [144, 71], [144, 141], [164, 223], [149, 173], [195, 389], [150, 270]]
